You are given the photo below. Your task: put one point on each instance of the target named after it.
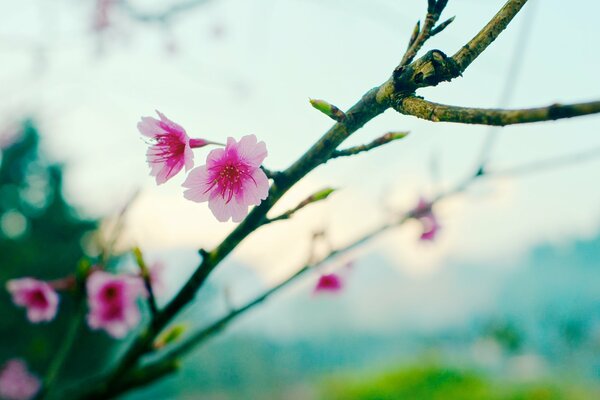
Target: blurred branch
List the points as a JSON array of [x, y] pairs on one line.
[[435, 112], [146, 277], [108, 249], [162, 16], [550, 163], [514, 71], [60, 357]]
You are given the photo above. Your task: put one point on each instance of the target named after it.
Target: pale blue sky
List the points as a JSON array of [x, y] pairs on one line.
[[256, 78]]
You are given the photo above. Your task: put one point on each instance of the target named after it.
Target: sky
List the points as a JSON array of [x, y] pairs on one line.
[[233, 67]]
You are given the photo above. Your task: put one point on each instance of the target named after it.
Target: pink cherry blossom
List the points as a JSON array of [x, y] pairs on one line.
[[112, 301], [170, 149], [424, 213], [329, 283], [38, 297], [231, 180], [16, 382]]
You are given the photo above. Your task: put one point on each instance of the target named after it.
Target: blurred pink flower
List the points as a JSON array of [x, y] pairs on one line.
[[16, 382], [424, 213], [329, 283], [102, 14], [231, 180], [157, 277], [112, 301], [38, 297], [170, 149]]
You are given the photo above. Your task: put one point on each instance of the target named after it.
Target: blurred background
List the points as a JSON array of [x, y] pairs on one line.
[[505, 303]]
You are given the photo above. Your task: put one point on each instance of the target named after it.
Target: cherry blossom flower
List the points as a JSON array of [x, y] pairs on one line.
[[425, 215], [38, 297], [170, 148], [329, 283], [112, 301], [16, 382], [231, 180]]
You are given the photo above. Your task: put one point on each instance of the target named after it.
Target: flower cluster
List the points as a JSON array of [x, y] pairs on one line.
[[230, 181], [112, 300]]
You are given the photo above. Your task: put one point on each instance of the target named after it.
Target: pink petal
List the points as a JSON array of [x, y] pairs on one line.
[[219, 207], [149, 127], [252, 152], [238, 210], [214, 156], [256, 189], [172, 126], [198, 184]]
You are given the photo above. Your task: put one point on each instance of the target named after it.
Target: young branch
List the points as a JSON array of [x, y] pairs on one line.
[[469, 52], [380, 141], [420, 36], [139, 258], [320, 195], [435, 112]]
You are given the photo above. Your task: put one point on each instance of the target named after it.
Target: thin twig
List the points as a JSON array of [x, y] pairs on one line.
[[146, 277], [380, 141], [59, 359]]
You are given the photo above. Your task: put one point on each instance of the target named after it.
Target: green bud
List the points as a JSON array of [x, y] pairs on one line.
[[170, 336], [139, 259], [317, 196], [328, 109]]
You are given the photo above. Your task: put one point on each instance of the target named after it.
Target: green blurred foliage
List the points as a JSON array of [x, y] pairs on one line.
[[41, 236], [435, 382]]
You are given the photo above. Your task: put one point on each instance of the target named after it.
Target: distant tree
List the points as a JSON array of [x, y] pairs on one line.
[[41, 235]]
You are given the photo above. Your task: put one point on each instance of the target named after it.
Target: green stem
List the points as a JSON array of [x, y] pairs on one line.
[[61, 355]]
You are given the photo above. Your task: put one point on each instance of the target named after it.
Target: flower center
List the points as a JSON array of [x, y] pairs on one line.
[[229, 178], [167, 147], [38, 299]]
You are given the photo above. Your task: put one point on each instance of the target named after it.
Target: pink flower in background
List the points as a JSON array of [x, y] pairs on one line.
[[430, 227], [102, 14], [329, 283], [170, 149], [112, 301], [16, 382], [425, 215], [157, 278], [38, 297], [231, 180]]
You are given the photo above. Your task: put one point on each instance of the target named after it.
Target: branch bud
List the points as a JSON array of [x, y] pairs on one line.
[[328, 109], [441, 26], [170, 336], [415, 33]]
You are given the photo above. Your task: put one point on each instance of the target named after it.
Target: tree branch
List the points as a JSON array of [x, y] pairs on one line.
[[435, 66], [380, 141], [435, 112], [469, 52], [373, 103]]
